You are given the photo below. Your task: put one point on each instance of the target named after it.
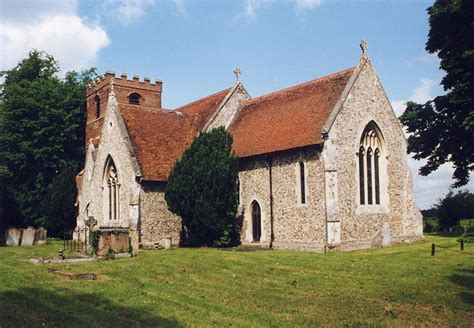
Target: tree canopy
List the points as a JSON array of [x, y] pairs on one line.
[[442, 129], [202, 189], [453, 208], [42, 124]]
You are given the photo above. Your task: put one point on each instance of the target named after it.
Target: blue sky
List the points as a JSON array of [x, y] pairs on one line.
[[193, 46]]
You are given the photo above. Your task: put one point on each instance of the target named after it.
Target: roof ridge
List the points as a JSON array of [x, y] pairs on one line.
[[299, 85], [201, 99]]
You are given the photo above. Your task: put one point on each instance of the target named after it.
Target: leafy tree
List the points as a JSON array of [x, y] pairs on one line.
[[442, 130], [59, 211], [42, 123], [202, 189], [455, 207]]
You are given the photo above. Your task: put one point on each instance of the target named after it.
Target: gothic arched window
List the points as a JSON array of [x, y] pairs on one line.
[[134, 98], [369, 165], [111, 191]]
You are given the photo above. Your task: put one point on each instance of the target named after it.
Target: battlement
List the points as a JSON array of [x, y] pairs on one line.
[[123, 80]]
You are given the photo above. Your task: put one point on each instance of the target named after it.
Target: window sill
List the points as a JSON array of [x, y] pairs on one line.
[[372, 209]]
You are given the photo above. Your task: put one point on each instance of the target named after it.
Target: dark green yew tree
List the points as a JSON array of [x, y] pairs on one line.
[[202, 190], [442, 130], [42, 123]]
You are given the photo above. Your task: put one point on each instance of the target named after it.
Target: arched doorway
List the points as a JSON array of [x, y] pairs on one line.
[[256, 222]]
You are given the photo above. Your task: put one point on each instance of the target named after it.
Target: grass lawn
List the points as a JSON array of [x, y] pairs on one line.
[[397, 286]]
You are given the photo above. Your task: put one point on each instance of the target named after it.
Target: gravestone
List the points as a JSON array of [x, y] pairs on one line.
[[13, 237], [40, 236], [377, 240], [386, 234], [28, 237]]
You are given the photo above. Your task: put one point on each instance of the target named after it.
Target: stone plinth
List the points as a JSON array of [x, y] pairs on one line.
[[115, 240]]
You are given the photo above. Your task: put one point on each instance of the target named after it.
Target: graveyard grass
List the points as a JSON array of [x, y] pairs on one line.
[[397, 286]]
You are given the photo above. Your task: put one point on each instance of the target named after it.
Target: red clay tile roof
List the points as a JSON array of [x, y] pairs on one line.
[[289, 118], [205, 107], [160, 137]]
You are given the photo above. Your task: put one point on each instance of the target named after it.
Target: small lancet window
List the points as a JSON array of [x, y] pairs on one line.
[[97, 106], [134, 98], [302, 183]]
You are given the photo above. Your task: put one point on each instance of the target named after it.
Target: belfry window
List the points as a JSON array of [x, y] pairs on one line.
[[369, 159], [111, 191], [97, 106], [134, 98]]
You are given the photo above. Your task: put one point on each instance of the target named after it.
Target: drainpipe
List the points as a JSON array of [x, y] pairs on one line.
[[270, 166]]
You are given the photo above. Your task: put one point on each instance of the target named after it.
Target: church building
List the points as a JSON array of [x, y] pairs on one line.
[[322, 164]]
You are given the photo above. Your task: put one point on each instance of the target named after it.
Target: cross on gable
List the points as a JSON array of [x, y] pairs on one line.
[[237, 73]]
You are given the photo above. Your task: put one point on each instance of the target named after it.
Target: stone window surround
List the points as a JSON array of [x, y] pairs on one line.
[[384, 206], [106, 200], [249, 230]]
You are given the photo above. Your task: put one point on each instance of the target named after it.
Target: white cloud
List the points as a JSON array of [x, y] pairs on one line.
[[308, 4], [251, 6], [180, 7], [55, 28], [128, 11], [428, 189], [421, 94]]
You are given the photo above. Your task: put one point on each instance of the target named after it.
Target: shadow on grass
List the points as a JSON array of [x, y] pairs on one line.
[[27, 307], [465, 279]]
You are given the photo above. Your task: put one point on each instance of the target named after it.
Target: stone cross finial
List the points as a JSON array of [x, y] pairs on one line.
[[237, 73], [363, 47]]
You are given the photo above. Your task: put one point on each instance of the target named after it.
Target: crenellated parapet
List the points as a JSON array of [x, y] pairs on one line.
[[123, 80]]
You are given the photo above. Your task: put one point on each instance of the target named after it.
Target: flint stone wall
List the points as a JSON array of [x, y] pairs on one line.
[[227, 112], [401, 218], [156, 221], [295, 225]]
